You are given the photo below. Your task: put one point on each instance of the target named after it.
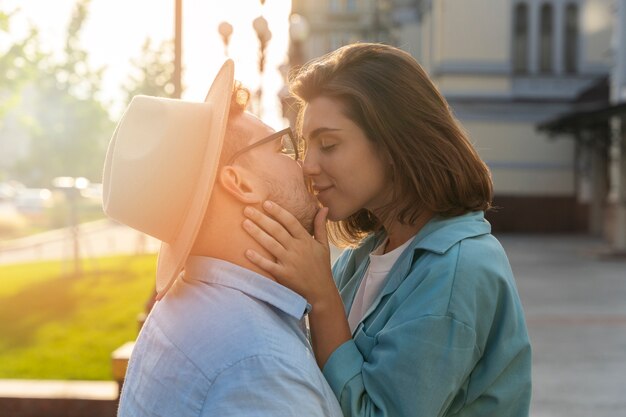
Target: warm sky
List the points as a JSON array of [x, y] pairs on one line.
[[116, 29]]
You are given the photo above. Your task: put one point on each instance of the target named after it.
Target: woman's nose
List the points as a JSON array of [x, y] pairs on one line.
[[310, 167]]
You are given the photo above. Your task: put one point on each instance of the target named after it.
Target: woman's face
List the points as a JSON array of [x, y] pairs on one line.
[[343, 165]]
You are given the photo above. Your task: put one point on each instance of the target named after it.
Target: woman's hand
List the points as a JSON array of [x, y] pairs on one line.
[[303, 265], [302, 261]]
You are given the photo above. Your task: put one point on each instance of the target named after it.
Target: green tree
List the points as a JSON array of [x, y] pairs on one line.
[[69, 127], [18, 68], [153, 72], [18, 62]]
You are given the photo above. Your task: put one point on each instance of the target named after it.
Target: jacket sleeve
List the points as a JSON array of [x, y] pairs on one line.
[[417, 368]]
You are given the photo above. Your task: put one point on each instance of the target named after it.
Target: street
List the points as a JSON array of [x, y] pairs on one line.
[[575, 303]]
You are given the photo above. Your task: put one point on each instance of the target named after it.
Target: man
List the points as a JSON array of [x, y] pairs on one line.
[[225, 339]]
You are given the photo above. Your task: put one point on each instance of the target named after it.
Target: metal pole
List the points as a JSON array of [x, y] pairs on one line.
[[620, 204], [178, 50], [74, 229]]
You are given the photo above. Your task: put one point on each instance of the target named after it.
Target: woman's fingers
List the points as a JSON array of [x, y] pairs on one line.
[[269, 225], [287, 219], [319, 225], [263, 262], [264, 239]]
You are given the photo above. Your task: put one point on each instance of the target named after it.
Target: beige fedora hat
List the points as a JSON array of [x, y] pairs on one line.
[[160, 169]]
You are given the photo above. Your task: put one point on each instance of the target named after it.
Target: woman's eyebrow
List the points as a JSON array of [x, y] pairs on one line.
[[320, 130]]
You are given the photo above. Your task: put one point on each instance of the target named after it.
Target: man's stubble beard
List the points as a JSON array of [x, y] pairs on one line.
[[295, 198]]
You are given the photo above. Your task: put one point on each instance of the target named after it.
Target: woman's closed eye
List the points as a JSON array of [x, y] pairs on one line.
[[326, 146]]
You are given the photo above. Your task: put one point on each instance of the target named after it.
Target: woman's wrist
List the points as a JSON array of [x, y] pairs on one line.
[[322, 291], [326, 302], [329, 327]]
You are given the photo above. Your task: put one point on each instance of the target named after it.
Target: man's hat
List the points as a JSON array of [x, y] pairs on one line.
[[161, 166]]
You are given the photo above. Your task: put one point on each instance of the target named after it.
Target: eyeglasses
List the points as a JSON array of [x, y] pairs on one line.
[[290, 145]]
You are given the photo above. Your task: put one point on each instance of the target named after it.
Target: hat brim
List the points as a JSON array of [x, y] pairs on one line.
[[173, 255]]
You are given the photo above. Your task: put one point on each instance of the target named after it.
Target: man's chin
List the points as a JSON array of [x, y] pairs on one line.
[[307, 219]]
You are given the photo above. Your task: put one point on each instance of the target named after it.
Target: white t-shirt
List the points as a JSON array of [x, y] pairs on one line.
[[373, 280]]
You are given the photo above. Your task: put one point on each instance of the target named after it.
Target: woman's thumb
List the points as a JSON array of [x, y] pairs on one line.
[[319, 226]]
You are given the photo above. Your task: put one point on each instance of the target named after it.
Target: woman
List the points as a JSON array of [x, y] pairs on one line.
[[423, 317]]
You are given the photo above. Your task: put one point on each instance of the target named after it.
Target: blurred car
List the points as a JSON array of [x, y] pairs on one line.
[[33, 200], [92, 192], [9, 189]]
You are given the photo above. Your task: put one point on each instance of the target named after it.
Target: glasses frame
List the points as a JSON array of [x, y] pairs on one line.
[[268, 139]]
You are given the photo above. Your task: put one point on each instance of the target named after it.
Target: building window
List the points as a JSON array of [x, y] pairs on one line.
[[546, 38], [334, 5], [520, 39], [570, 53], [351, 5]]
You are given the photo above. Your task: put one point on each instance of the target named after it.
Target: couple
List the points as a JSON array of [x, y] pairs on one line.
[[421, 317]]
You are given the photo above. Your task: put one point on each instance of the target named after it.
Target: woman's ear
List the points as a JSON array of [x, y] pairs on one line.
[[239, 183]]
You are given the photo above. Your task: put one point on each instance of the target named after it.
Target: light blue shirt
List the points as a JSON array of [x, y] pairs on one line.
[[446, 336], [225, 341]]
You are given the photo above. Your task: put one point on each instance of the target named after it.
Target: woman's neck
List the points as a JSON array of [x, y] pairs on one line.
[[399, 233]]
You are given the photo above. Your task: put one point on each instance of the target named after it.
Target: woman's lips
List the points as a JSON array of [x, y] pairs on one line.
[[320, 190]]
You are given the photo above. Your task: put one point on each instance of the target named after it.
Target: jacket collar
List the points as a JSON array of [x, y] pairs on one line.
[[437, 236]]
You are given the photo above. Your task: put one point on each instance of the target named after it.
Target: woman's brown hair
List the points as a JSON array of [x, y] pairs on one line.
[[432, 164]]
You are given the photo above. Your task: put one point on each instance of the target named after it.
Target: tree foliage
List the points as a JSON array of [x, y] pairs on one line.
[[68, 127], [17, 63], [153, 72], [52, 103]]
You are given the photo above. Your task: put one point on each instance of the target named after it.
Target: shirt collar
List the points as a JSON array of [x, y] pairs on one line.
[[220, 272], [439, 234]]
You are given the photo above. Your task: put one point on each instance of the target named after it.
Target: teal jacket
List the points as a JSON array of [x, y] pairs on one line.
[[446, 336]]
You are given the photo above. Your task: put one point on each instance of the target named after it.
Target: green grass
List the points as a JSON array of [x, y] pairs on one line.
[[54, 326]]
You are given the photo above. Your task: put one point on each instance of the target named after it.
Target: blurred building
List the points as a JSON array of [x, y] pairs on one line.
[[506, 67]]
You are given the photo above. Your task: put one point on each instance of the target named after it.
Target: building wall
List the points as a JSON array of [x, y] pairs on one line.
[[596, 24], [473, 85], [534, 176], [523, 162], [334, 23], [472, 31], [467, 48]]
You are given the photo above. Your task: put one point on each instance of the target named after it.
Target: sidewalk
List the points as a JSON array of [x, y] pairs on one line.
[[98, 238], [575, 304]]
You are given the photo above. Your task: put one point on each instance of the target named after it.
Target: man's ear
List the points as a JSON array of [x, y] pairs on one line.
[[239, 183]]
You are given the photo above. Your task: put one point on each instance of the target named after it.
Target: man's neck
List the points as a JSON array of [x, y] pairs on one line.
[[222, 237]]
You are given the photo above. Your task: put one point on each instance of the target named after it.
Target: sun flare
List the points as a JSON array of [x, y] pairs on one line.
[[116, 29]]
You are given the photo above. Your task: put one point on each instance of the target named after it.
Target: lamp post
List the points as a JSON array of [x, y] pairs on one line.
[[178, 48], [265, 35], [71, 187], [226, 30]]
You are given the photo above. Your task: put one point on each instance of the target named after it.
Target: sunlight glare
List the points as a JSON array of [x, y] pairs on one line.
[[116, 29]]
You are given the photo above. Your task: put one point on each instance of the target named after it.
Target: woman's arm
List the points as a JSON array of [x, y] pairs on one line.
[[420, 367], [302, 263], [416, 366]]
